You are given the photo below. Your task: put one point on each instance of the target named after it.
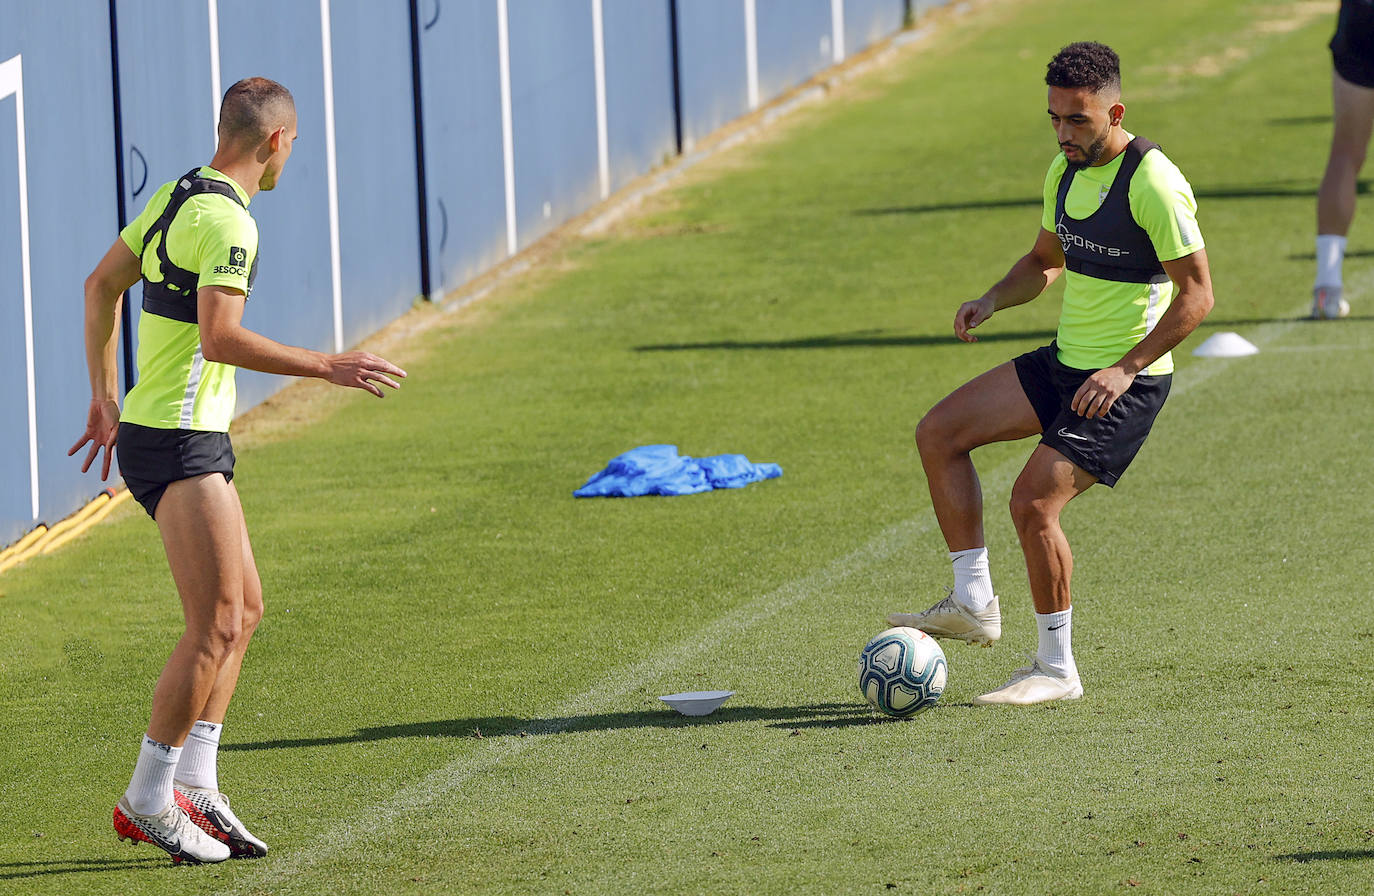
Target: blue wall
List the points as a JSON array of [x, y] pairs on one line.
[[553, 110], [128, 89], [795, 41], [639, 88], [464, 171], [868, 21], [69, 136], [379, 239]]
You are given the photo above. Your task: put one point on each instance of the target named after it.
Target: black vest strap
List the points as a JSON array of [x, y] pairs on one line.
[[1109, 244], [175, 295]]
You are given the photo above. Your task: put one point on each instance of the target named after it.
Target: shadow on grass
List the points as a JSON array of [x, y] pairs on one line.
[[855, 339], [865, 716], [1305, 189], [1210, 324], [886, 339], [1301, 119], [815, 715], [1349, 253], [1327, 855], [21, 870]]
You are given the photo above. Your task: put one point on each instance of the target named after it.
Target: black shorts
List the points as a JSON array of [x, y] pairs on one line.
[[1352, 48], [1103, 446], [152, 459]]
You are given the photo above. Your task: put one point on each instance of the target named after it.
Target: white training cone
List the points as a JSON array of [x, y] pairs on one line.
[[697, 703], [1225, 345]]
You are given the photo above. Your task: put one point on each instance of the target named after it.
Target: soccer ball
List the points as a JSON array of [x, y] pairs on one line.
[[902, 671]]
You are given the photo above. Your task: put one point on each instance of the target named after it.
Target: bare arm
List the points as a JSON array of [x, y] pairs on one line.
[[1027, 279], [223, 338], [105, 287], [1193, 303]]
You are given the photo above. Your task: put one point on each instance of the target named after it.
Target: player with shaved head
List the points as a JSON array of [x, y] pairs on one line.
[[1121, 219], [195, 247]]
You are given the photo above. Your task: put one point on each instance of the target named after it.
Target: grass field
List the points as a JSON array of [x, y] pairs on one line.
[[454, 690]]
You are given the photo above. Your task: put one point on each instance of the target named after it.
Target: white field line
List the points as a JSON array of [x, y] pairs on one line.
[[440, 785]]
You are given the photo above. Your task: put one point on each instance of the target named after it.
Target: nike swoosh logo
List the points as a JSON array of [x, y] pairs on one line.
[[218, 821], [1055, 628], [1063, 431], [173, 847]]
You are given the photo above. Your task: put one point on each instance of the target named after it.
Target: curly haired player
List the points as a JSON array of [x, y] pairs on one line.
[[1122, 219]]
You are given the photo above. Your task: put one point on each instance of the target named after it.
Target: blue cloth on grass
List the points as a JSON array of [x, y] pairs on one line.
[[660, 470]]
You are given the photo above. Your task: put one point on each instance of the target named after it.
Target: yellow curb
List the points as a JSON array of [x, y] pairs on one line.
[[99, 512]]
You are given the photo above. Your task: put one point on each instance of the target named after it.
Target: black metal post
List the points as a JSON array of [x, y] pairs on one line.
[[677, 73], [421, 187], [126, 315]]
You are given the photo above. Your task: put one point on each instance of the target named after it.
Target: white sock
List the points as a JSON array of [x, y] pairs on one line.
[[1330, 255], [197, 765], [150, 789], [1056, 643], [972, 581]]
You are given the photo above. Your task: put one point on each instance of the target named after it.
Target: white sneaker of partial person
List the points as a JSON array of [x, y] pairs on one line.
[[951, 619], [1328, 303], [1034, 684], [170, 830], [209, 810]]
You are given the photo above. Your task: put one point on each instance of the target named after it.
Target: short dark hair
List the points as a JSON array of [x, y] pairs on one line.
[[253, 108], [1086, 64]]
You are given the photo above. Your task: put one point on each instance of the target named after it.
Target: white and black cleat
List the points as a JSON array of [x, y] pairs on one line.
[[209, 810], [172, 831]]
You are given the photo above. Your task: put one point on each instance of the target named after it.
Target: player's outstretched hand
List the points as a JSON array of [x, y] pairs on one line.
[[102, 428], [363, 370], [970, 315]]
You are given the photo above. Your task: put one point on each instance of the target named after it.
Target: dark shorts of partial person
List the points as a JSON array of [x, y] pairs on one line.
[[151, 459], [1103, 446], [1352, 48]]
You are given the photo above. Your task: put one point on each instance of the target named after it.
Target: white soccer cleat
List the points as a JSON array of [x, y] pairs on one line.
[[209, 810], [170, 830], [951, 619], [1328, 303], [1033, 684]]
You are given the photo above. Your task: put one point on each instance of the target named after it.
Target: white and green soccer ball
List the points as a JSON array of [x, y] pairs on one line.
[[902, 671]]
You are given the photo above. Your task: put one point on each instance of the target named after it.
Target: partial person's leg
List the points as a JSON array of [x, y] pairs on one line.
[[989, 408], [1352, 125], [198, 764], [202, 532], [1048, 483], [197, 774], [218, 702]]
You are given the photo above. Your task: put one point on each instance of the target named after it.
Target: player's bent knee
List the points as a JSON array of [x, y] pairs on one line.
[[219, 638], [1347, 155], [252, 615], [224, 639], [1030, 512], [935, 435]]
